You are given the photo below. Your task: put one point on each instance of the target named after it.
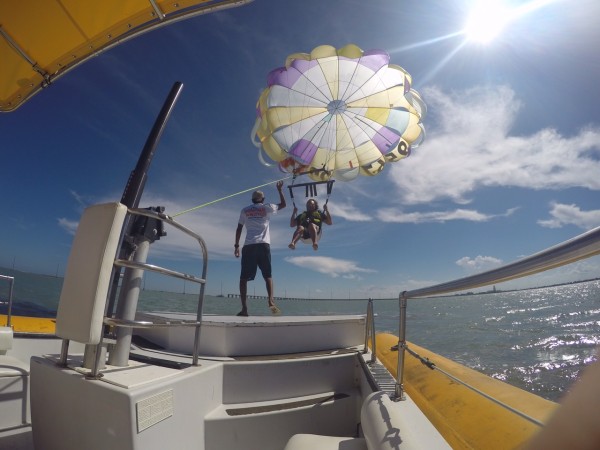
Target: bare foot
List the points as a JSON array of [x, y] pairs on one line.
[[315, 246], [292, 246]]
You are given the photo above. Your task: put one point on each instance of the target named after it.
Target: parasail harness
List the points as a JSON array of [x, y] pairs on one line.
[[310, 189]]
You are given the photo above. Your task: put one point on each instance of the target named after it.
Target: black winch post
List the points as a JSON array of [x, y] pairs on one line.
[[135, 186], [137, 180]]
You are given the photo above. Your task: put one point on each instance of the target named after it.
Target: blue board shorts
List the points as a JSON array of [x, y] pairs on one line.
[[256, 256]]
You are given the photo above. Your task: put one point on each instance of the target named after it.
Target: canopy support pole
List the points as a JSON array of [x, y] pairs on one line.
[[34, 65]]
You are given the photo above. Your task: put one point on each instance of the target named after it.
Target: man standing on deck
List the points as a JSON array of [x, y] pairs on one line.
[[256, 252]]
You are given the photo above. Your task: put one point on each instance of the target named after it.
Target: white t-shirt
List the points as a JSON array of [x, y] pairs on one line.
[[256, 218]]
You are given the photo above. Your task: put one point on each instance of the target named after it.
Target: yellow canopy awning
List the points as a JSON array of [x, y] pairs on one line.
[[40, 40]]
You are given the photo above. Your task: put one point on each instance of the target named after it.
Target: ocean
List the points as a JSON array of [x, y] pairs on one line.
[[536, 339]]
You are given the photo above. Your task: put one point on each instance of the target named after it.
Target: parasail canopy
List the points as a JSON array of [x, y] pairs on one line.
[[338, 113], [40, 40]]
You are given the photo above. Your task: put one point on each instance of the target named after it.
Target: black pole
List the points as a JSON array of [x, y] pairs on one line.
[[135, 185], [137, 180]]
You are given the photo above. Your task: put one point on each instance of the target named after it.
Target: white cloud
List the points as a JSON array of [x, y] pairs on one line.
[[329, 266], [479, 263], [347, 211], [571, 215], [218, 229], [398, 216], [81, 201], [216, 225], [469, 145], [70, 226]]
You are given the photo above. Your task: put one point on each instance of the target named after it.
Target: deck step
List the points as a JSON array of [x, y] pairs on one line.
[[281, 406], [382, 377]]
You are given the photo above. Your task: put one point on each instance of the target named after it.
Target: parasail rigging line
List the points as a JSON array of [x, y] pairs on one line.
[[228, 196], [310, 189]]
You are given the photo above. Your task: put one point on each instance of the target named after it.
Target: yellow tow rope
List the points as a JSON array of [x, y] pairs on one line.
[[228, 196]]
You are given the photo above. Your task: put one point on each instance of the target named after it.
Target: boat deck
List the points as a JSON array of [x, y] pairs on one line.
[[229, 336]]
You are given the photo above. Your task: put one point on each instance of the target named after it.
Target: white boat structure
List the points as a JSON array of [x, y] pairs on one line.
[[124, 380], [101, 375]]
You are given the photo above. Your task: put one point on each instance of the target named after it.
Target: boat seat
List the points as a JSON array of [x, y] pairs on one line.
[[6, 339], [87, 279], [11, 367], [315, 441], [377, 416]]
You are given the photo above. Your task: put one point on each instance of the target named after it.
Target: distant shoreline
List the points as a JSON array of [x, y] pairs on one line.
[[5, 270], [498, 291]]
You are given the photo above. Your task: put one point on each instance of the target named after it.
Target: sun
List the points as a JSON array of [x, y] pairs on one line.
[[486, 21], [488, 18]]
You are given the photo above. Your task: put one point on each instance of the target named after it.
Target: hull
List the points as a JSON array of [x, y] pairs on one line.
[[466, 419], [30, 325]]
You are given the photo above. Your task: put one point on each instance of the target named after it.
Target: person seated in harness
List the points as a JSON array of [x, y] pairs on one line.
[[308, 224]]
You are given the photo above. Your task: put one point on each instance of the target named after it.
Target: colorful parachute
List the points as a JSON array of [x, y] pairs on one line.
[[338, 113]]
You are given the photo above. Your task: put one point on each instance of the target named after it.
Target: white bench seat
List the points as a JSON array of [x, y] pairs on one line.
[[14, 390], [379, 425], [6, 339], [314, 441]]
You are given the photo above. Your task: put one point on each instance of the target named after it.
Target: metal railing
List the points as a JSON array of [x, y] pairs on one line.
[[11, 282], [171, 273], [580, 247], [124, 323], [370, 332]]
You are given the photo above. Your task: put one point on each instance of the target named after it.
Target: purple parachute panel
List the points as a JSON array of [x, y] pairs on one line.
[[329, 105]]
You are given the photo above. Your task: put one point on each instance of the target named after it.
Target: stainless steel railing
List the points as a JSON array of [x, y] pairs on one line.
[[122, 323], [370, 332], [11, 282], [580, 247]]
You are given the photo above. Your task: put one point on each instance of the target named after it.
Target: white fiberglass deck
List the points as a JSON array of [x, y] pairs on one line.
[[257, 335]]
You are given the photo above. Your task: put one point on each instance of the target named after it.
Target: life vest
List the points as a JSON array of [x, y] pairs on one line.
[[310, 217]]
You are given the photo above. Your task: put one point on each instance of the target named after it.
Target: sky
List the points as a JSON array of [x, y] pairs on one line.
[[510, 165]]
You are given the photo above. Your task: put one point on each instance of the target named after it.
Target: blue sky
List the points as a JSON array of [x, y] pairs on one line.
[[509, 167]]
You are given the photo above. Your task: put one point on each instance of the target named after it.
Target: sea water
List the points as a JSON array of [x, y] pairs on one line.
[[536, 339]]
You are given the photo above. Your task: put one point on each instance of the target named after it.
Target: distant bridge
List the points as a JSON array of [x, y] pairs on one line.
[[264, 297]]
